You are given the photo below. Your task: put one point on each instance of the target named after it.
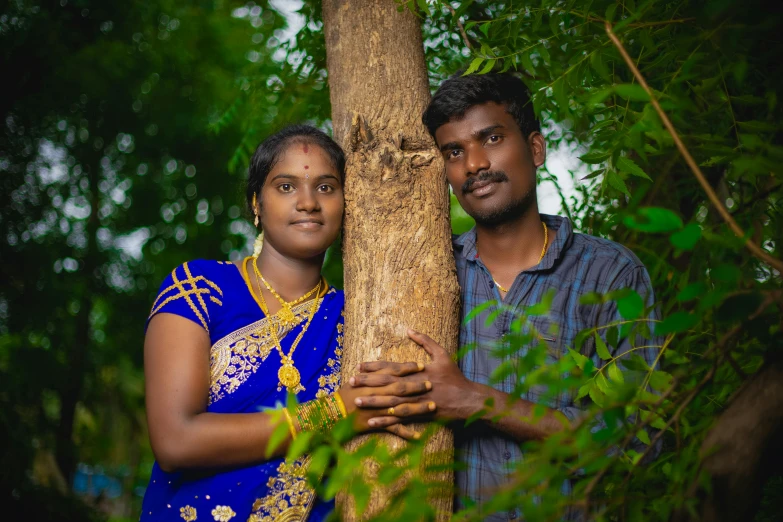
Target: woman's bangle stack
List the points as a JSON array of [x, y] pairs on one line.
[[317, 415]]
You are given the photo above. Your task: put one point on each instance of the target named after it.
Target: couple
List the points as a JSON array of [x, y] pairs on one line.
[[226, 342]]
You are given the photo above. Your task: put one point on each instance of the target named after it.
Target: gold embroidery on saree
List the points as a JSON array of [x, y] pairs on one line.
[[188, 513], [237, 356], [329, 382], [223, 513], [290, 498], [199, 307]]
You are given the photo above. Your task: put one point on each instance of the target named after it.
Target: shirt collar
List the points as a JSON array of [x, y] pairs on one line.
[[560, 226]]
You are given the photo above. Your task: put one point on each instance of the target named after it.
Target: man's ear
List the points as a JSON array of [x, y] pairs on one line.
[[537, 146]]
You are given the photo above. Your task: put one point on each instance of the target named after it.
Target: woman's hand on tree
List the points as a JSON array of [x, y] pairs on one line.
[[398, 401]]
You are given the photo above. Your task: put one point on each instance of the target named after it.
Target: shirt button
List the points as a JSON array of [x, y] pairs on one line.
[[491, 284], [507, 455], [513, 514]]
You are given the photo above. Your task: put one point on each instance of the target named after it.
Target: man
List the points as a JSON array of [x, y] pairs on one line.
[[485, 127]]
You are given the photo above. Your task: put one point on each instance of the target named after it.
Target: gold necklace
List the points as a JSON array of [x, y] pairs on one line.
[[288, 375], [285, 315], [543, 251]]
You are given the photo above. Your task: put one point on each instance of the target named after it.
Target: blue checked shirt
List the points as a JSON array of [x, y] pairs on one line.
[[574, 264]]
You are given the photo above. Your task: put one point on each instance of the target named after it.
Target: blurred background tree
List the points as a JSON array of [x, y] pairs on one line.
[[127, 127]]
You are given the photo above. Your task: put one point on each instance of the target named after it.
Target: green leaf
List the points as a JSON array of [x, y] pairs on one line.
[[484, 28], [474, 65], [278, 435], [686, 238], [628, 165], [591, 298], [597, 396], [635, 363], [595, 157], [631, 91], [594, 174], [612, 336], [597, 62], [544, 306], [726, 273], [478, 310], [319, 461], [616, 182], [475, 416], [584, 390], [653, 219], [300, 445], [643, 436], [615, 374], [630, 306], [598, 96], [692, 291], [609, 14], [487, 66], [676, 322], [601, 349], [758, 126], [578, 358], [660, 380]]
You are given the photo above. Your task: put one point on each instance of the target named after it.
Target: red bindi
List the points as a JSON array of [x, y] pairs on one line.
[[307, 167]]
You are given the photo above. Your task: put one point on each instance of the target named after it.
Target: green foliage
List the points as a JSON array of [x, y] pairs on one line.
[[110, 175], [126, 134]]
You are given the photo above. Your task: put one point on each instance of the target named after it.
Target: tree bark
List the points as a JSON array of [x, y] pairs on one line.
[[741, 451], [399, 268]]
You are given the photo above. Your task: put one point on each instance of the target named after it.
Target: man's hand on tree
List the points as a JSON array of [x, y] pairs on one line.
[[449, 395]]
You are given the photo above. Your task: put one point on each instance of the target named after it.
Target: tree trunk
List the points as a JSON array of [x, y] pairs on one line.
[[742, 450], [399, 269]]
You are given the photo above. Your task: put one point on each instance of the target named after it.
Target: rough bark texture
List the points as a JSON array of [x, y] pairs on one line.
[[399, 269], [742, 450]]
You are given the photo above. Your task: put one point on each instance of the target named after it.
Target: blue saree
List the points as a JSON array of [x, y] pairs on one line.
[[243, 367]]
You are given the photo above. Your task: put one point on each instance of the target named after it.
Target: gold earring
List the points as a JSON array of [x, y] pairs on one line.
[[255, 210]]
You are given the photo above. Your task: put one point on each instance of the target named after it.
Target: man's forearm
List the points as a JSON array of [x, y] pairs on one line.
[[511, 416]]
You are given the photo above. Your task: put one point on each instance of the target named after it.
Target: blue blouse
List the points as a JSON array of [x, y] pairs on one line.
[[243, 367]]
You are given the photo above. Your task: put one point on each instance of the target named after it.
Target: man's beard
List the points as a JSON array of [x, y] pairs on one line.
[[506, 213]]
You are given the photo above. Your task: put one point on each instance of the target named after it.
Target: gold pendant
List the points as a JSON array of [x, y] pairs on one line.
[[285, 315], [289, 376]]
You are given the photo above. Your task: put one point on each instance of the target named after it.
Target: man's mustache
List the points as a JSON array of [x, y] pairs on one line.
[[494, 175]]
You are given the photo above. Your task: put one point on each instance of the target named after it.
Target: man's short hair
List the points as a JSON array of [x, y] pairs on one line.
[[459, 93]]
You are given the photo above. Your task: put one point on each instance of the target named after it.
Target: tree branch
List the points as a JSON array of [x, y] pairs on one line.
[[724, 213], [461, 28]]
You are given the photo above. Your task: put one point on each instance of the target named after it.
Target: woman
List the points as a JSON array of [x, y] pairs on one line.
[[226, 342]]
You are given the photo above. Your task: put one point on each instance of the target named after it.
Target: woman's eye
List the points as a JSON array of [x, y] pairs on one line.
[[286, 187], [325, 188]]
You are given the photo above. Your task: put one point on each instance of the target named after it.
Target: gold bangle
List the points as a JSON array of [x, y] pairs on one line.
[[290, 422], [340, 404]]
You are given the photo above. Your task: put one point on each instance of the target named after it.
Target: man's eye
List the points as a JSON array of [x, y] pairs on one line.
[[453, 153], [494, 139]]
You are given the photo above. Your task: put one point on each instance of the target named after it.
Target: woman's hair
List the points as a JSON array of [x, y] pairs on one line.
[[459, 93], [271, 149]]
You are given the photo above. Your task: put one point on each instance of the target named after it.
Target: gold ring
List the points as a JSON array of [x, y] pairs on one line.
[[390, 411]]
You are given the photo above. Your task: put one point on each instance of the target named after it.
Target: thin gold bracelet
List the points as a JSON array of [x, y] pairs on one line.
[[290, 422], [340, 404]]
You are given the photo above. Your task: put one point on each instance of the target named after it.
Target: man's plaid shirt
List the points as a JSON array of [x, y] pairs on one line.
[[574, 264]]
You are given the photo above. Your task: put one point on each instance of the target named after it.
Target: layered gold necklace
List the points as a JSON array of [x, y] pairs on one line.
[[288, 375]]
